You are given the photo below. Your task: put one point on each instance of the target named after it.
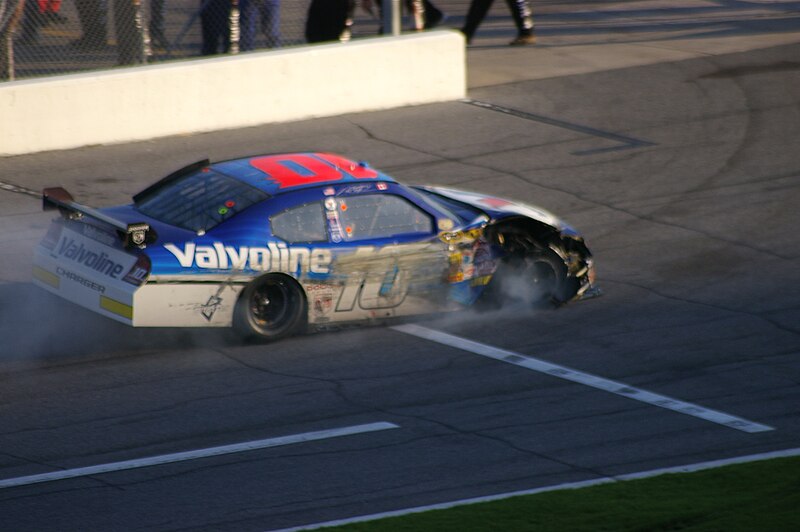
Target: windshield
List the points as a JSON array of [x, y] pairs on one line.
[[199, 201]]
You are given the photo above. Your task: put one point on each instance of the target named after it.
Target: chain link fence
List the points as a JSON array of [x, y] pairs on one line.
[[51, 37]]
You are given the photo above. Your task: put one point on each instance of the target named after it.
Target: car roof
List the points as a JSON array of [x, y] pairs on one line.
[[280, 173]]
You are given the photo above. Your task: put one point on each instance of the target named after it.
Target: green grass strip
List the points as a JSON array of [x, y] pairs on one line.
[[757, 496]]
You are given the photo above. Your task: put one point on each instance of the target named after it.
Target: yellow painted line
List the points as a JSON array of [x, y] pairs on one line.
[[46, 277], [112, 305]]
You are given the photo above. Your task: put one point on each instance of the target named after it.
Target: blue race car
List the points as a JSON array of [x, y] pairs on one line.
[[274, 243]]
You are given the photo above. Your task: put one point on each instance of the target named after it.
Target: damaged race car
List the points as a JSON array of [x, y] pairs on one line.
[[272, 244]]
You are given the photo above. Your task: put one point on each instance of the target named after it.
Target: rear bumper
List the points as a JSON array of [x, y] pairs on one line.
[[84, 266], [150, 305], [112, 300]]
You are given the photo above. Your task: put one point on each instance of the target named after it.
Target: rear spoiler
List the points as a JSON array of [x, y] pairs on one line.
[[174, 176], [133, 235]]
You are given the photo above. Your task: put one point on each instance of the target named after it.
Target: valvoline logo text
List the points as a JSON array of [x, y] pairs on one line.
[[274, 257]]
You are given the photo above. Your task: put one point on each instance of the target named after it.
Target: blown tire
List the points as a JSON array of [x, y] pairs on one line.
[[547, 273], [538, 278]]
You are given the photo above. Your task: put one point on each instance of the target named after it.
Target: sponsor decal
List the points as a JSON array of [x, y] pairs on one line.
[[72, 276], [334, 227], [301, 169], [210, 308], [76, 252], [137, 276], [470, 257], [138, 234], [380, 278], [480, 281], [356, 189], [322, 299], [274, 257]]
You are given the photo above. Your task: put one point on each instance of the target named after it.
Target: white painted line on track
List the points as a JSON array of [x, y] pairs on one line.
[[200, 453], [691, 468], [563, 372]]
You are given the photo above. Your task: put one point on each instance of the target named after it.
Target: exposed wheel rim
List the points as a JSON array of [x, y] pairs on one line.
[[270, 305]]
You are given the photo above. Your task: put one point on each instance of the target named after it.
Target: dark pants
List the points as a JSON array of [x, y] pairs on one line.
[[157, 23], [520, 12], [327, 19], [214, 26]]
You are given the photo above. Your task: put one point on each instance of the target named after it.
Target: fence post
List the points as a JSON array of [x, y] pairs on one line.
[[235, 27], [391, 17]]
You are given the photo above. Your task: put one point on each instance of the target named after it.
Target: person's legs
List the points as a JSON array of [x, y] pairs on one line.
[[270, 11], [214, 24], [433, 15], [475, 15], [156, 26], [326, 20], [248, 18], [523, 20]]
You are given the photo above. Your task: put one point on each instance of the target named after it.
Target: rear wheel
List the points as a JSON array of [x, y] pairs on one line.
[[271, 307]]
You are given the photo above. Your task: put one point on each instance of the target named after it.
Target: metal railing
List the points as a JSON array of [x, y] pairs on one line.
[[51, 37]]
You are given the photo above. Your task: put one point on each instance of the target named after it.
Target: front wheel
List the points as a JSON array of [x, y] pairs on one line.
[[538, 278], [548, 275], [269, 308]]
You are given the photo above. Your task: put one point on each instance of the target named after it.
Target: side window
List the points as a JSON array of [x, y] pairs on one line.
[[376, 216], [300, 224]]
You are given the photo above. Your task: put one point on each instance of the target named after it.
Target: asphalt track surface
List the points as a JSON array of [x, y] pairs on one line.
[[684, 175]]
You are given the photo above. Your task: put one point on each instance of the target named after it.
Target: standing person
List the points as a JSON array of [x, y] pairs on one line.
[[520, 11]]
